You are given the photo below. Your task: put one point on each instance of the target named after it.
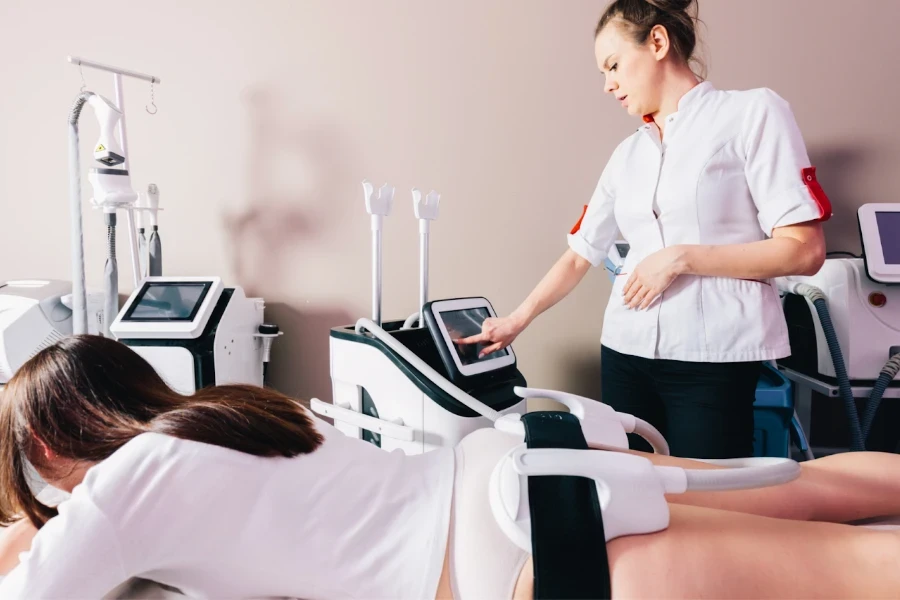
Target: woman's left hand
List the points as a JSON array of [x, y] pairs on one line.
[[652, 276]]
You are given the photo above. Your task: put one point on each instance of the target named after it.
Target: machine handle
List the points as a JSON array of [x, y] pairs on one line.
[[397, 431], [577, 405]]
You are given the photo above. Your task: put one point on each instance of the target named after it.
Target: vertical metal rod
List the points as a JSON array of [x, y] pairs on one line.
[[423, 275], [376, 276], [129, 212]]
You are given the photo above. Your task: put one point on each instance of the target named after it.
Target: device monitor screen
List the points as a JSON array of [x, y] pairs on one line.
[[168, 301], [879, 228], [889, 232], [461, 318], [465, 323]]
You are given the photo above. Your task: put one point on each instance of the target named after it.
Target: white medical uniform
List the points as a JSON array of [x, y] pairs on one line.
[[348, 520], [732, 166]]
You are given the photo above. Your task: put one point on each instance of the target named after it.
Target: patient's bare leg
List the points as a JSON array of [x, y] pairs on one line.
[[14, 539], [709, 553], [839, 488]]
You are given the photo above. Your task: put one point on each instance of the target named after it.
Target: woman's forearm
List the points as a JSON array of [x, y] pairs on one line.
[[561, 279], [775, 257]]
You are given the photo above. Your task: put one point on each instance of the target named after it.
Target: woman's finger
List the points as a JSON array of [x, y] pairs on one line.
[[648, 299], [646, 293], [632, 287], [490, 349], [637, 294], [473, 339]]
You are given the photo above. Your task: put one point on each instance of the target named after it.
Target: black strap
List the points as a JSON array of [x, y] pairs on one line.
[[567, 539]]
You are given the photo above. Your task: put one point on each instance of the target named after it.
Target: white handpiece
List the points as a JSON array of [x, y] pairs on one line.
[[153, 203], [426, 209], [107, 150], [141, 221], [154, 244], [378, 205]]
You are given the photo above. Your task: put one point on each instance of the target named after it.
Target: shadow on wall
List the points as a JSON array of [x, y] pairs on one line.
[[841, 171], [276, 238], [300, 358]]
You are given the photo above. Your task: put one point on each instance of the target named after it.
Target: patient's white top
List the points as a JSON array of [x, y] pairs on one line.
[[347, 521]]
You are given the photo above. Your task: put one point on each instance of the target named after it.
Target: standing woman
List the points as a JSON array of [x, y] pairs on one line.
[[716, 196]]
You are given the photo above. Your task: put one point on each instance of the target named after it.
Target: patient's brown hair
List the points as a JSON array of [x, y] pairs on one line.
[[86, 396]]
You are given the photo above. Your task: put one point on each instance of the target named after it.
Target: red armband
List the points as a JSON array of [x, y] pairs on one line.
[[816, 191], [580, 219]]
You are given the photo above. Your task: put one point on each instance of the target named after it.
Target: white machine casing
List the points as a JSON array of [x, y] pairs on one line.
[[866, 332], [409, 414], [237, 346], [34, 315]]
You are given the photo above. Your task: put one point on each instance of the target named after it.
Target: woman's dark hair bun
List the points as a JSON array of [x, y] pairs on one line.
[[639, 17], [672, 5]]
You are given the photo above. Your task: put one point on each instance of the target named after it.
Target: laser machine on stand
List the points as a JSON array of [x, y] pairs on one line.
[[844, 327], [194, 331]]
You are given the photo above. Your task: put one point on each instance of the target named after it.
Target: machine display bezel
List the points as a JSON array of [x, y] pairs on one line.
[[149, 285], [437, 308], [125, 328], [873, 252]]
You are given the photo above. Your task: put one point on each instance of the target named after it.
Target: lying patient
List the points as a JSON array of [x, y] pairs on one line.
[[240, 492]]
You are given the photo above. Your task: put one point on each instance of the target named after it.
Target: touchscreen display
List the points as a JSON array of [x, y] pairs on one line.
[[464, 323], [168, 302], [889, 232]]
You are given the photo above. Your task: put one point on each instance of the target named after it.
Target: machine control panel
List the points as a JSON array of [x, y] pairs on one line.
[[452, 320], [879, 227], [168, 308]]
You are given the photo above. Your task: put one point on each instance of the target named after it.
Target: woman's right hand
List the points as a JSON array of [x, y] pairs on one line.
[[496, 333]]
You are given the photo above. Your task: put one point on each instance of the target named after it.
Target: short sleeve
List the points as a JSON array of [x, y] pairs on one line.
[[782, 181], [596, 230]]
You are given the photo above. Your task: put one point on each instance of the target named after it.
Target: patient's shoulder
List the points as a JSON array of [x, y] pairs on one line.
[[138, 460], [152, 465], [148, 449]]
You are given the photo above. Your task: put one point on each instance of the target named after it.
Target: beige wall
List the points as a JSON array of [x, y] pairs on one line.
[[272, 112]]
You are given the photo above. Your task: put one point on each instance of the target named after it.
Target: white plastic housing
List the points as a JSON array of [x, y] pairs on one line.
[[355, 366], [866, 332]]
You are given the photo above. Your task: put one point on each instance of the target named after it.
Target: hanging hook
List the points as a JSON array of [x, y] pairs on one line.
[[83, 82], [152, 103]]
